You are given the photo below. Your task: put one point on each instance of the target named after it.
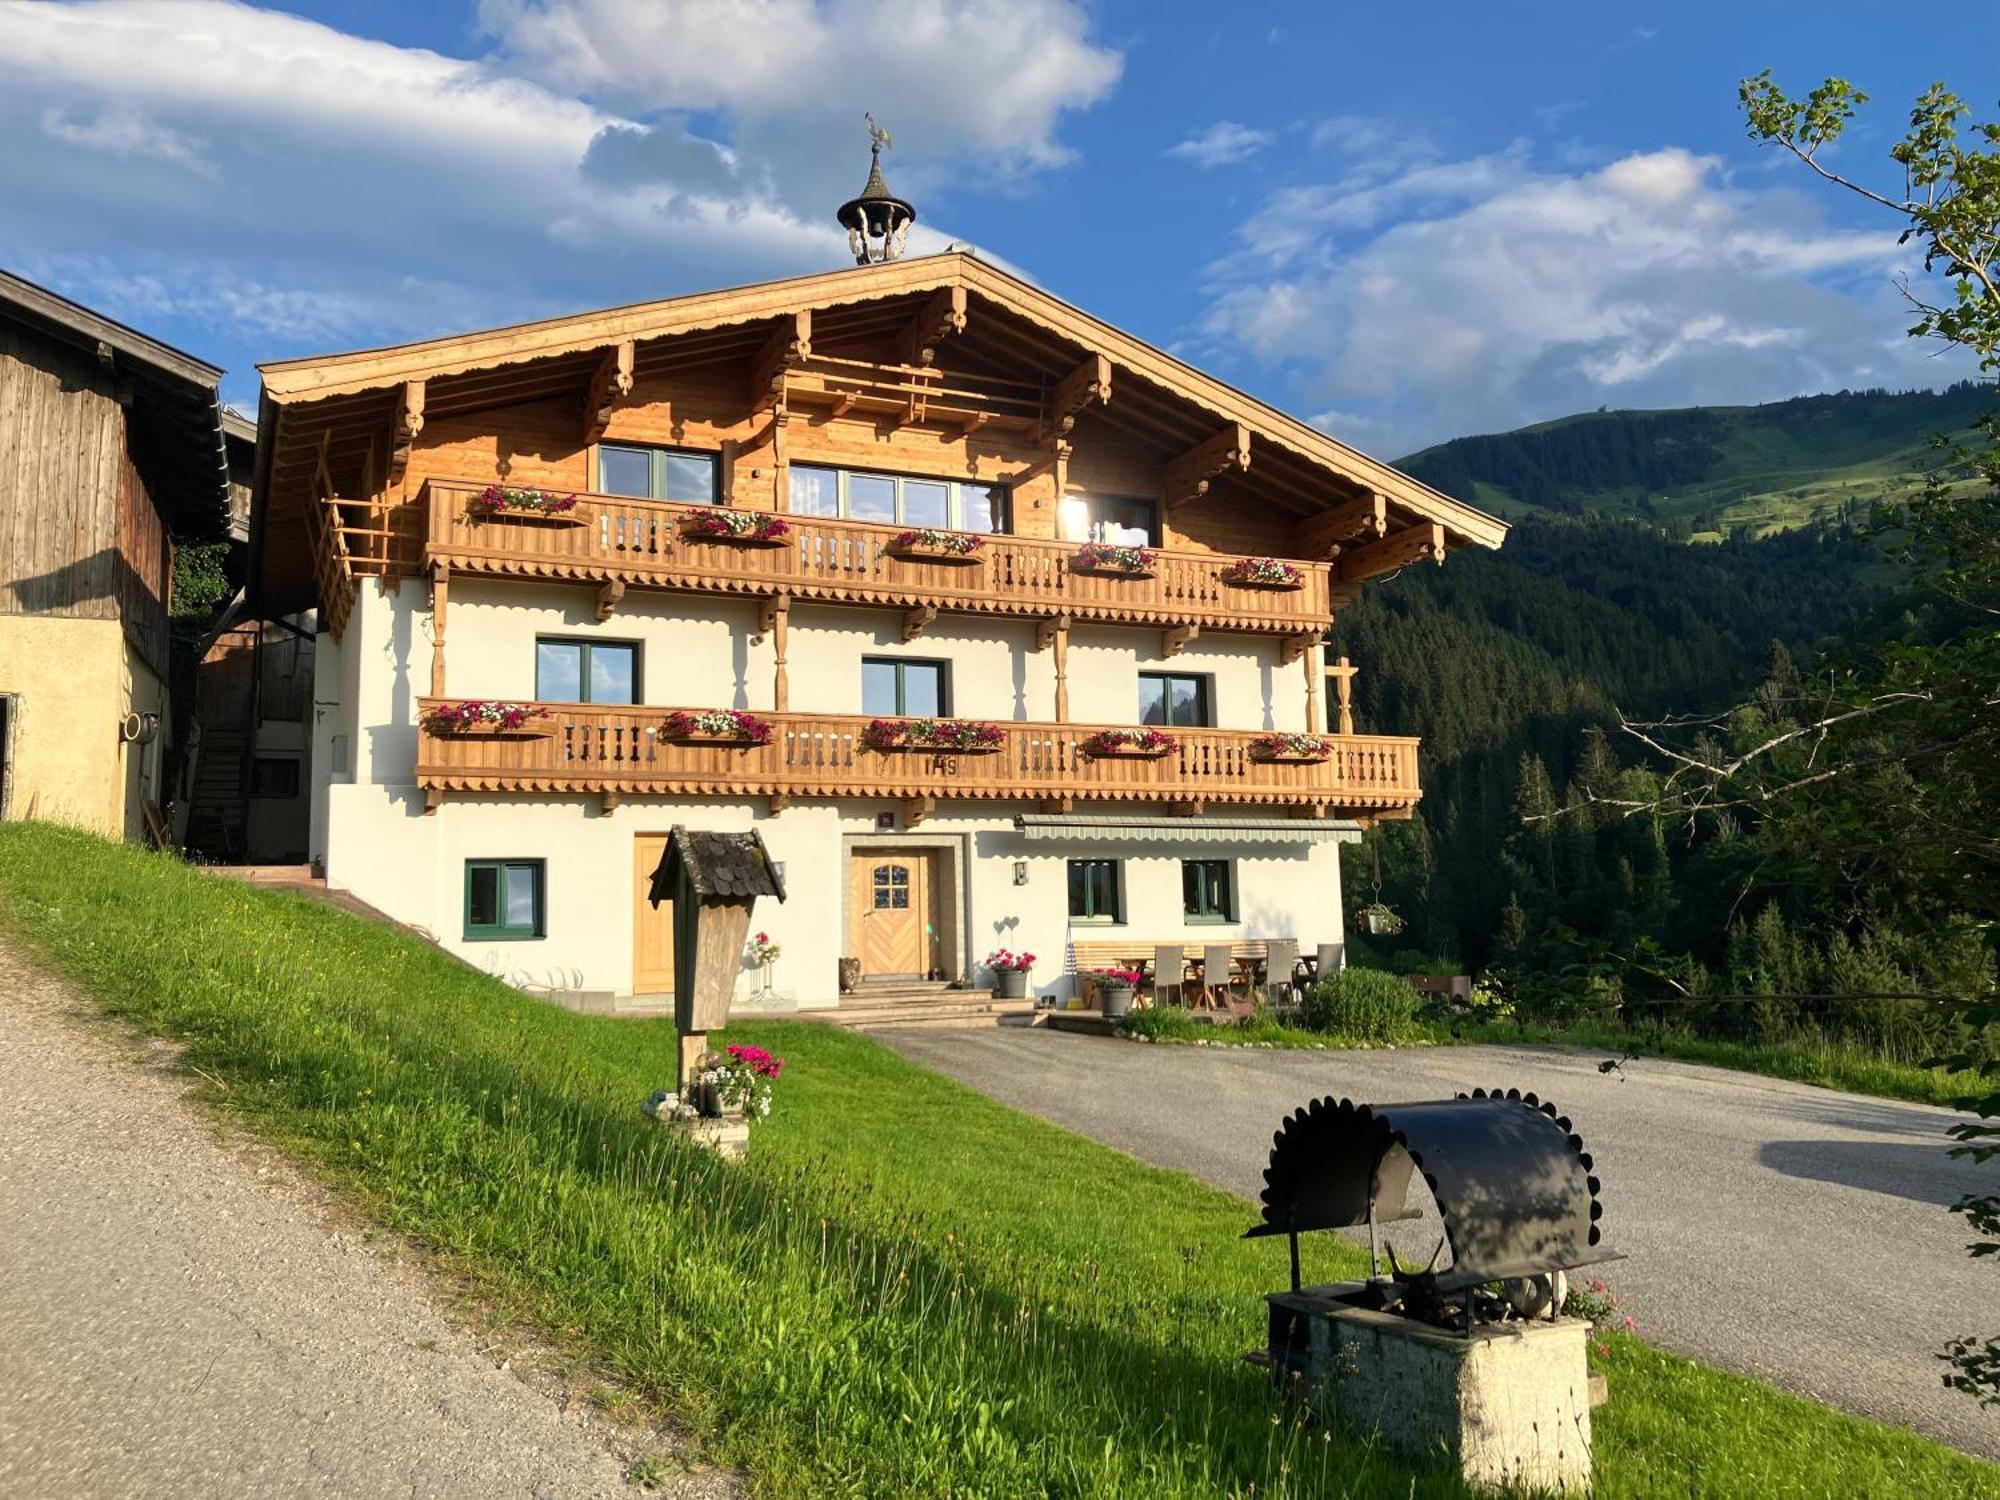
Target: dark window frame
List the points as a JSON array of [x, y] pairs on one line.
[[943, 667], [1191, 910], [1113, 918], [290, 763], [1003, 497], [1204, 686], [501, 931], [656, 470], [638, 649]]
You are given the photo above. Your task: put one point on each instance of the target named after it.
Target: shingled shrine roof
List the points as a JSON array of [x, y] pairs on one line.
[[724, 866]]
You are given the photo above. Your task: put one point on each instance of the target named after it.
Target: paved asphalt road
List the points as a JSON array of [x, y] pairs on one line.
[[1794, 1233], [178, 1318]]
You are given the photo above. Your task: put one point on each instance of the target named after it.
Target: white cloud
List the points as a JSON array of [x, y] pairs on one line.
[[252, 176], [1481, 294], [1223, 142]]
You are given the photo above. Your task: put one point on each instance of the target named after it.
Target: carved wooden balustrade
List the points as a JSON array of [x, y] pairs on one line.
[[640, 543], [620, 751]]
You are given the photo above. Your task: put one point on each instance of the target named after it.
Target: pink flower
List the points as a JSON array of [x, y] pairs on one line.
[[1630, 1326], [1598, 1286]]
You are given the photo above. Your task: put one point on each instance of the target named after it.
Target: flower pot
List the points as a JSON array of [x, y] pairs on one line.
[[935, 555], [907, 749], [1116, 999], [1288, 758], [1132, 752], [725, 540], [493, 732], [699, 737], [1010, 984]]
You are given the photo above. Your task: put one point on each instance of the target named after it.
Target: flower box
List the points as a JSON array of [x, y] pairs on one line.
[[533, 517], [1291, 749], [479, 718], [1107, 560], [736, 528], [1272, 574], [934, 736], [499, 502], [721, 726], [1129, 744], [953, 548]]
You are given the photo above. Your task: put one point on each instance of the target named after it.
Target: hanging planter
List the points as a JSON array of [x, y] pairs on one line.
[[1380, 920], [491, 719], [1108, 560], [1272, 574], [927, 545], [499, 502], [739, 528], [935, 736], [1129, 744], [718, 726]]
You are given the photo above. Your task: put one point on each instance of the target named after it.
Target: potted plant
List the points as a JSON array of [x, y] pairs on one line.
[[763, 954], [1115, 988], [940, 736], [1111, 560], [927, 544], [719, 726], [1129, 744], [509, 503], [490, 718], [742, 528], [1291, 749], [1263, 573], [1010, 972]]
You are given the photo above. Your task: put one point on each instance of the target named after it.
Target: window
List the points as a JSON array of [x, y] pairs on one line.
[[656, 473], [892, 887], [274, 776], [503, 899], [896, 500], [1107, 518], [904, 689], [1096, 890], [1174, 698], [1208, 890], [586, 671]]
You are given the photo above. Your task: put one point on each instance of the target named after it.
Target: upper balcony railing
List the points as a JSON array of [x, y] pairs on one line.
[[590, 748], [644, 543]]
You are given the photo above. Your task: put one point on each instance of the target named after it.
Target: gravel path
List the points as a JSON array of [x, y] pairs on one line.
[[1795, 1233], [185, 1317]]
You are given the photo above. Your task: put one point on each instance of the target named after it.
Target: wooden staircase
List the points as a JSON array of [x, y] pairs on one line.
[[882, 1004], [219, 799]]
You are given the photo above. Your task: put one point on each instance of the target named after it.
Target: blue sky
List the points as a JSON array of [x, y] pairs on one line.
[[1401, 222]]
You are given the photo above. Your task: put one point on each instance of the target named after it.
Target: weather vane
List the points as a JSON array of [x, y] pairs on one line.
[[878, 222], [878, 138]]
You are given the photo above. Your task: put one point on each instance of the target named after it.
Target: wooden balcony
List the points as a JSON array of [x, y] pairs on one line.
[[621, 751], [639, 544]]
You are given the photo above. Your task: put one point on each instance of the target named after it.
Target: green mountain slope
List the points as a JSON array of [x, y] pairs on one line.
[[1708, 470]]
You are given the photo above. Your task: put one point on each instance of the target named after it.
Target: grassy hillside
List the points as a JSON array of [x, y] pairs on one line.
[[1706, 471]]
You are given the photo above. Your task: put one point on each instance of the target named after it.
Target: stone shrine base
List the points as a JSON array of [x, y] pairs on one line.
[[1510, 1405]]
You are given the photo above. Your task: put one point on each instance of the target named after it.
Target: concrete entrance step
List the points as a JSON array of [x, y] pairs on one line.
[[877, 1006]]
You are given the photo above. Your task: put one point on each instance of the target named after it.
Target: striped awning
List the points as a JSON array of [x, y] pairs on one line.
[[1102, 826]]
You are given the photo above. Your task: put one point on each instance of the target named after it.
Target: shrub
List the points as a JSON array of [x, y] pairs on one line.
[[1362, 1004]]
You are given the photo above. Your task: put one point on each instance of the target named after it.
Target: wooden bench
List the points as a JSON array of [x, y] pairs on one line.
[[1086, 954]]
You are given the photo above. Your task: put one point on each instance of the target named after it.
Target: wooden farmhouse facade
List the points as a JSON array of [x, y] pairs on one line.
[[112, 450], [1003, 629]]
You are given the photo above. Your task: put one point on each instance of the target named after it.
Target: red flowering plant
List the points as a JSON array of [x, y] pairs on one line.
[[736, 525], [1291, 747], [481, 713], [1111, 557], [1007, 959], [1129, 742], [929, 539], [718, 723], [933, 734], [1129, 978], [1271, 571], [498, 499]]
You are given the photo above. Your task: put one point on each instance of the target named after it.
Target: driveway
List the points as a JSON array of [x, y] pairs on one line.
[[1793, 1233]]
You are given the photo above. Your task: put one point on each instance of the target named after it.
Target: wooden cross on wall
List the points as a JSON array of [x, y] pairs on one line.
[[1342, 672]]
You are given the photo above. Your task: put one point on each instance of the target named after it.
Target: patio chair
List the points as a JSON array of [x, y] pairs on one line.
[[1169, 973], [1332, 959], [1281, 958], [1218, 977]]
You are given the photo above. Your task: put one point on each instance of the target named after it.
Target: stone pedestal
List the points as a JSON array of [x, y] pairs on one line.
[[727, 1136], [1510, 1405]]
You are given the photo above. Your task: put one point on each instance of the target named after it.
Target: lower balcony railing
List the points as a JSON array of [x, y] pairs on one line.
[[620, 751], [642, 543]]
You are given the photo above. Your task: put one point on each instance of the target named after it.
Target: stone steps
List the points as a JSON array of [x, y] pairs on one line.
[[933, 1006]]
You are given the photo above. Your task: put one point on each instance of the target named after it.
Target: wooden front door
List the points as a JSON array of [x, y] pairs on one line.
[[652, 926], [895, 906]]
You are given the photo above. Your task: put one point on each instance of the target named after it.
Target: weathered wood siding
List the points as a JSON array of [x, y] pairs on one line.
[[79, 536]]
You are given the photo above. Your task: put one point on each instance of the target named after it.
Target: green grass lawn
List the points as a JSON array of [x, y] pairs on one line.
[[1817, 1060], [907, 1289]]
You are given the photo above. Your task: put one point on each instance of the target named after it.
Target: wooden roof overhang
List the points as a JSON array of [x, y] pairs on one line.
[[344, 409]]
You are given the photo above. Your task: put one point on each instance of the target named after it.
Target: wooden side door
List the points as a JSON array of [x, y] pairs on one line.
[[652, 926], [893, 903]]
